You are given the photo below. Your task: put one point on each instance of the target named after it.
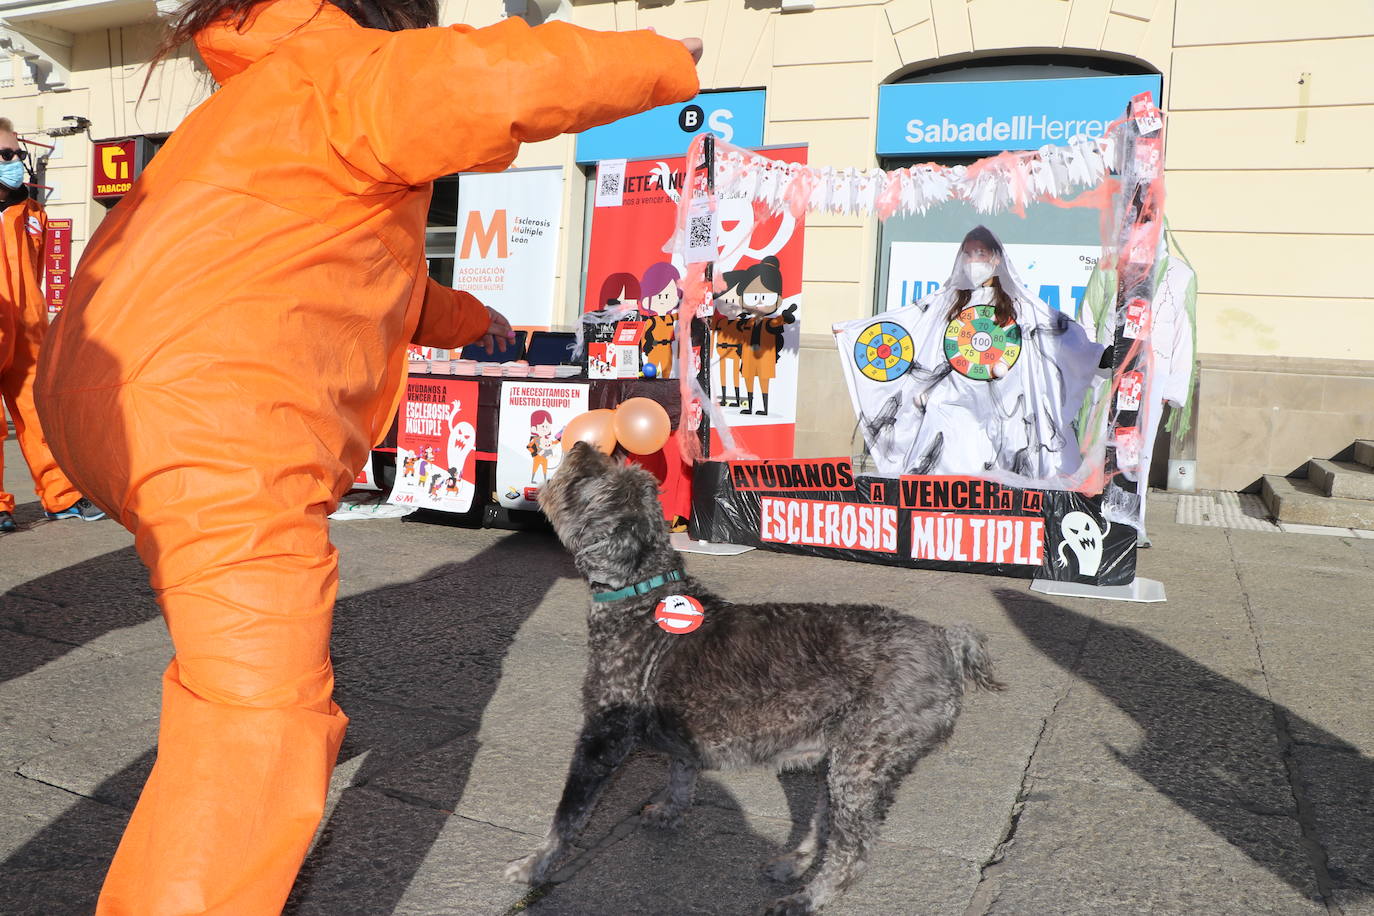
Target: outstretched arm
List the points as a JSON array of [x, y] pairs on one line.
[[422, 103], [452, 318]]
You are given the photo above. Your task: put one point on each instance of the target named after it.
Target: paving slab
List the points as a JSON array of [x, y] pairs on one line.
[[712, 866], [55, 846], [1340, 786], [1315, 673], [1219, 746], [110, 768], [1213, 659], [1081, 848], [379, 854], [43, 548], [64, 704]]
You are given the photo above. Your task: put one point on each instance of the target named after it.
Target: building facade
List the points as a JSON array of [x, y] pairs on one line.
[[1270, 109]]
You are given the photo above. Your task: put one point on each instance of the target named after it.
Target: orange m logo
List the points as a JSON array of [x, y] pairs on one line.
[[485, 235], [114, 163]]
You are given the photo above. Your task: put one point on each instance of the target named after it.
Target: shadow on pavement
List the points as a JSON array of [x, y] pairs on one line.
[[1217, 746], [419, 662], [417, 665]]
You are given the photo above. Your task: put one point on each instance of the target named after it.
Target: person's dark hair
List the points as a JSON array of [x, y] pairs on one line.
[[387, 15], [1005, 309]]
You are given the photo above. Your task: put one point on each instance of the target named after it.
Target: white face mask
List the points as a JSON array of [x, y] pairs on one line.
[[980, 271]]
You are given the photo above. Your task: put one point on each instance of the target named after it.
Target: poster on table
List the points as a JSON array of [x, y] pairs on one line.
[[753, 356], [1057, 274], [436, 433], [820, 507], [530, 436], [507, 242]]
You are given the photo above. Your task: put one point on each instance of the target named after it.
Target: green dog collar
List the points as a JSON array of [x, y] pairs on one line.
[[639, 588]]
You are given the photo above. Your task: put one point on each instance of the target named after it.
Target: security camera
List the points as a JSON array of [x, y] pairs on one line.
[[76, 125]]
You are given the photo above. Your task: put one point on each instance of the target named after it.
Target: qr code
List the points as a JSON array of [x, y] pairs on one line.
[[699, 232], [610, 183]]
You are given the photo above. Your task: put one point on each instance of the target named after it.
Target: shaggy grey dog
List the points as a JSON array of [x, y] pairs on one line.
[[863, 688]]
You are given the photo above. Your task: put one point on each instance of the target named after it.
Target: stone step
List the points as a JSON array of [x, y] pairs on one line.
[[1343, 479], [1364, 452], [1300, 502]]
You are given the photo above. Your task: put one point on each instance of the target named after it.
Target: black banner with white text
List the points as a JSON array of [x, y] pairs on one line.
[[952, 523]]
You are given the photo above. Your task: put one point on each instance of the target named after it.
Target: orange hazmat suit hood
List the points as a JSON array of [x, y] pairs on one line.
[[229, 49]]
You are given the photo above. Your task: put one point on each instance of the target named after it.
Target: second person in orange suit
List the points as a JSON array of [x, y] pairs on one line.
[[23, 322], [237, 331]]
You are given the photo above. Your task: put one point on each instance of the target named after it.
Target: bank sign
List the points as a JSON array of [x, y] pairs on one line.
[[927, 119], [735, 117]]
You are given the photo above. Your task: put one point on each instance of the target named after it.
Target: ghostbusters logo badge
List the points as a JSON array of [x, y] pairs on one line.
[[678, 614]]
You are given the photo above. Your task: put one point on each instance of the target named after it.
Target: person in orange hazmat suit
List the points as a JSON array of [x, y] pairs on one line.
[[23, 322], [237, 332]]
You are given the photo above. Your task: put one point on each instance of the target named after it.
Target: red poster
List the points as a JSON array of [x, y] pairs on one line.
[[435, 438], [57, 264], [754, 357]]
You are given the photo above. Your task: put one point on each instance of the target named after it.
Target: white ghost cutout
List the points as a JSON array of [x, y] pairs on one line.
[[1082, 536]]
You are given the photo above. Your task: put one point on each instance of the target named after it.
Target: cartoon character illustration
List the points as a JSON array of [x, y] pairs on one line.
[[435, 483], [542, 443], [728, 339], [760, 327], [451, 488], [408, 467], [619, 289], [425, 463], [660, 296]]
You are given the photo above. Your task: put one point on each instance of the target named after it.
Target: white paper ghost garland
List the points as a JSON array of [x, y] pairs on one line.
[[1001, 184]]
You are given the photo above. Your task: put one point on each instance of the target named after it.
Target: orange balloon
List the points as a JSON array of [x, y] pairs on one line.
[[595, 427], [642, 425]]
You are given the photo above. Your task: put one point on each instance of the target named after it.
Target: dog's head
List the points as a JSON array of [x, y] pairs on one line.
[[607, 514]]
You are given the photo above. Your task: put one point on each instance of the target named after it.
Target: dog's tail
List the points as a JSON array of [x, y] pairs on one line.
[[971, 652]]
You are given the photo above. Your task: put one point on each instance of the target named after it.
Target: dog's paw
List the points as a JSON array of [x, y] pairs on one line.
[[661, 817], [791, 905], [787, 867], [524, 871]]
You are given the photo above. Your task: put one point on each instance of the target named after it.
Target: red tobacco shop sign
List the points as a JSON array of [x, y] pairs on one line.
[[116, 164]]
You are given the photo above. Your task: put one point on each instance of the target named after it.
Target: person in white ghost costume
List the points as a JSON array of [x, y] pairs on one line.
[[921, 416]]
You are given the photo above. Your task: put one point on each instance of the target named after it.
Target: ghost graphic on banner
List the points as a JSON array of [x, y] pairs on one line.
[[1084, 538], [460, 443]]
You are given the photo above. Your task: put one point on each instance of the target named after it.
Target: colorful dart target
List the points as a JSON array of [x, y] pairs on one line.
[[978, 347], [884, 351]]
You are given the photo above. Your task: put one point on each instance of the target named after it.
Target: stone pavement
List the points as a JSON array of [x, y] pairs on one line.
[[1213, 754]]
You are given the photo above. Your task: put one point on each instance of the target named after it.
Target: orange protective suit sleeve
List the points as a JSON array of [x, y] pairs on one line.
[[472, 97], [450, 318]]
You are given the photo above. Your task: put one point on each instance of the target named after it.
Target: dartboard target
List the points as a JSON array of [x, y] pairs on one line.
[[978, 347], [884, 351]]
